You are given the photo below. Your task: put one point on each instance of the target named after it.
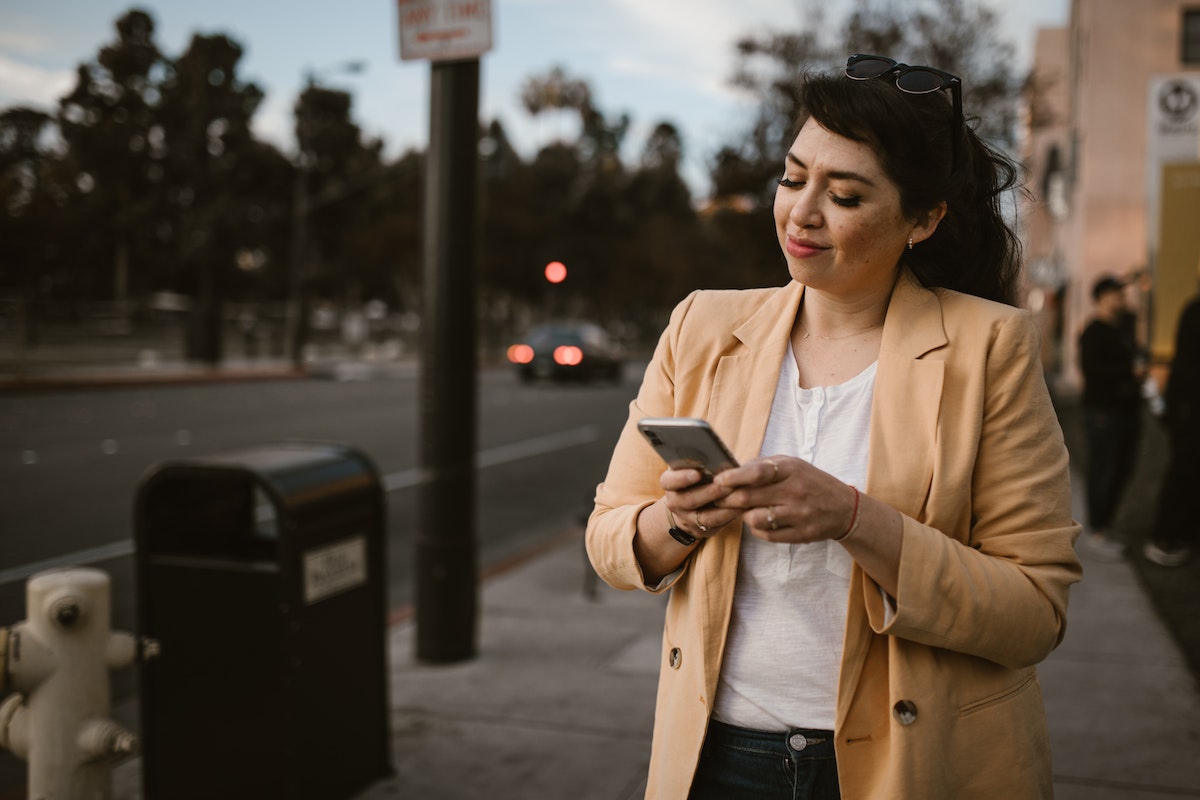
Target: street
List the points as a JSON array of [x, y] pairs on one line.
[[73, 461]]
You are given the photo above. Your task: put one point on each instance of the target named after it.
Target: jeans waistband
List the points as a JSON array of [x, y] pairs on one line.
[[794, 742]]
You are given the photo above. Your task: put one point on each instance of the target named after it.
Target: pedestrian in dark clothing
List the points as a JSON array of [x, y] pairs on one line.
[[1177, 525], [1112, 379]]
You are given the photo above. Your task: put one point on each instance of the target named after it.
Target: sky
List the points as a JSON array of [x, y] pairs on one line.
[[657, 60]]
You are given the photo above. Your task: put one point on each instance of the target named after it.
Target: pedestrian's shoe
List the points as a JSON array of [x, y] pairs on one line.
[[1104, 548], [1164, 557]]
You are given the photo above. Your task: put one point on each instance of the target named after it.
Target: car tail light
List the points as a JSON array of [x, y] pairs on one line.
[[568, 355], [520, 354]]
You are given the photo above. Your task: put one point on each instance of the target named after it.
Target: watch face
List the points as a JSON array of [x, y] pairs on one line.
[[681, 536]]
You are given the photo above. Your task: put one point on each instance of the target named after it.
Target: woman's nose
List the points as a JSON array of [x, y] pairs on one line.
[[804, 211]]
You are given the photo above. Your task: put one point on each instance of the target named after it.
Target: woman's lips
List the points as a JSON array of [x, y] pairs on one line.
[[803, 248]]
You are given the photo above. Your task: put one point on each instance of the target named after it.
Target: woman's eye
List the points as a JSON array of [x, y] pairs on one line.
[[788, 183], [848, 202]]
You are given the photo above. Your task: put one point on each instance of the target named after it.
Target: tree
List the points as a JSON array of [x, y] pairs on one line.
[[555, 91], [600, 138], [27, 197], [337, 166], [108, 123], [205, 115], [384, 242], [335, 171]]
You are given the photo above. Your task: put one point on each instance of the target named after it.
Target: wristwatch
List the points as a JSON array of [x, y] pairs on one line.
[[678, 533], [681, 536]]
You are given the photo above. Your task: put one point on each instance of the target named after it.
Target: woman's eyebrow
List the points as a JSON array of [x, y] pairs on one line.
[[840, 174]]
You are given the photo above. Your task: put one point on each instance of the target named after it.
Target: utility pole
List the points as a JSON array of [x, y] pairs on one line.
[[446, 558], [451, 34]]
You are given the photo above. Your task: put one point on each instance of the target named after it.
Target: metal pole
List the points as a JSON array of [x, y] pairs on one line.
[[446, 602], [297, 308]]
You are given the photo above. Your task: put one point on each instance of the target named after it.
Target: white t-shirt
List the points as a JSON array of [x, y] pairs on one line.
[[784, 648]]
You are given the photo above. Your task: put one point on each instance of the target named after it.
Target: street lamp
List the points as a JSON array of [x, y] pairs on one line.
[[297, 308]]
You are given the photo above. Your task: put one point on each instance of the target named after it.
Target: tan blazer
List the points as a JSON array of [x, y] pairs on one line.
[[943, 701]]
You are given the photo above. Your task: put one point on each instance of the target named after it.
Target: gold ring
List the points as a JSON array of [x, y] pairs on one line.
[[774, 523], [696, 516], [775, 477]]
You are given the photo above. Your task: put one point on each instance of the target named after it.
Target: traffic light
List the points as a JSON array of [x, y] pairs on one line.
[[556, 272]]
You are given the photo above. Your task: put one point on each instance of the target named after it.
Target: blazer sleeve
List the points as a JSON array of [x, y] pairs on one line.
[[999, 591], [632, 481]]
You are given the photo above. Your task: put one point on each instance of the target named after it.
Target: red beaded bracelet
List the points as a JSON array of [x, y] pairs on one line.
[[853, 526]]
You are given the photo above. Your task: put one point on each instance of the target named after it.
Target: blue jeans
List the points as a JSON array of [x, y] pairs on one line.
[[740, 764], [1112, 441]]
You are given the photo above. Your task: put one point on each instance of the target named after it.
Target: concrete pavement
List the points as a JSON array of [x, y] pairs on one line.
[[1123, 709]]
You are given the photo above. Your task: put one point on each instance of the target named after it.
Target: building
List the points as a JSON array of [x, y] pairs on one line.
[[1096, 164]]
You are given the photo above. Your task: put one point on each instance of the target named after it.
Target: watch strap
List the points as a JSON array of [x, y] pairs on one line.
[[678, 533], [681, 536]]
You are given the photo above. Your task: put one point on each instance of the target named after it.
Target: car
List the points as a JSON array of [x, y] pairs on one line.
[[567, 351]]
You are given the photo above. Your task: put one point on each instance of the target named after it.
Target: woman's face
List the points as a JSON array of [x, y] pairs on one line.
[[838, 216]]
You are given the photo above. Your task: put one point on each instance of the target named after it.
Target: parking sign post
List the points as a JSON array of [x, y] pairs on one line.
[[452, 34]]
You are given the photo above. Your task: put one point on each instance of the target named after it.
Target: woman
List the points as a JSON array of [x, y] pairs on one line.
[[868, 593]]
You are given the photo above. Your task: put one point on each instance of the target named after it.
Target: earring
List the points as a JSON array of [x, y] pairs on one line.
[[910, 243]]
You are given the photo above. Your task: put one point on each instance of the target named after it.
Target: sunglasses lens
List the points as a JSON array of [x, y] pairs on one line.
[[869, 67], [919, 81]]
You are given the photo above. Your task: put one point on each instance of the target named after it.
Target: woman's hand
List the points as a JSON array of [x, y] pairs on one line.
[[788, 500], [691, 501], [688, 505]]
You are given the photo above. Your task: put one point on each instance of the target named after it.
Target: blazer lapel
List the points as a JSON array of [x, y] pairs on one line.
[[904, 413], [745, 381], [739, 406], [908, 397]]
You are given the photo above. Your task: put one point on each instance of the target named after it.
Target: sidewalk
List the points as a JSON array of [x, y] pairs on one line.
[[1123, 708], [559, 703]]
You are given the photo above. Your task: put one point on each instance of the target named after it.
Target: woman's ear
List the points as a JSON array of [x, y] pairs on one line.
[[927, 224]]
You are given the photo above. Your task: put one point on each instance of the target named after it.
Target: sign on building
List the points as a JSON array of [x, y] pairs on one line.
[[1173, 135], [1177, 265], [1173, 197], [445, 30]]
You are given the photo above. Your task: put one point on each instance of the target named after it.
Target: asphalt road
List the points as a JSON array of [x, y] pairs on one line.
[[72, 462]]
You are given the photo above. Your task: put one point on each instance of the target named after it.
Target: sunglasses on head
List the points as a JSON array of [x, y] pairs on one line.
[[911, 80]]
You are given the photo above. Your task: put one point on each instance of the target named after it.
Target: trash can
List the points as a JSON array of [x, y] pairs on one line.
[[261, 574]]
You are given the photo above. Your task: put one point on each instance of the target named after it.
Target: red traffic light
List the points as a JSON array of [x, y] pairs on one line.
[[556, 272]]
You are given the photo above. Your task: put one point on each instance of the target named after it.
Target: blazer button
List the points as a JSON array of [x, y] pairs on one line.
[[675, 657], [905, 712]]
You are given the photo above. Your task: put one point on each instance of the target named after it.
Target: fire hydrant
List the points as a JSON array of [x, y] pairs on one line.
[[57, 660]]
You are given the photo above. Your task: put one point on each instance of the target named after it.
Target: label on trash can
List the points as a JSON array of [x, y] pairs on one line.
[[334, 568]]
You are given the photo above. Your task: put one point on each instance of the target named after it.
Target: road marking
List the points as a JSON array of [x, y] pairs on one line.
[[504, 454], [92, 554], [405, 479]]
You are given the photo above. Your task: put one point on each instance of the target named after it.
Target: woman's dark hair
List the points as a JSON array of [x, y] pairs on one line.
[[972, 250]]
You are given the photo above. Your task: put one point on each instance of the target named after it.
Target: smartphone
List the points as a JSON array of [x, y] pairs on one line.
[[687, 443]]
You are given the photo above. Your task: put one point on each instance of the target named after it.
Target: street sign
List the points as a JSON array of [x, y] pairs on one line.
[[445, 30], [1172, 194]]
